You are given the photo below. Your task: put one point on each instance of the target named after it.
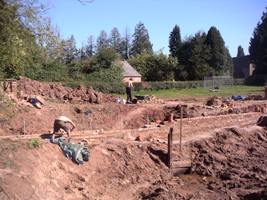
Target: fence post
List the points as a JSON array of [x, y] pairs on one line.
[[170, 148], [181, 126]]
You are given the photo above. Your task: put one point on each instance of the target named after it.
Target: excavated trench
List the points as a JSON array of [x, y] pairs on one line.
[[129, 161], [230, 165]]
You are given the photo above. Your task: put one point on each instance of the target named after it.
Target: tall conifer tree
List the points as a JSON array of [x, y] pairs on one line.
[[258, 45], [141, 43], [175, 41], [115, 40], [218, 60], [240, 51]]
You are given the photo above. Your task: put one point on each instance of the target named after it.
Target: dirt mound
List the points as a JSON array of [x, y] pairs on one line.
[[143, 116], [237, 159], [247, 109], [255, 97], [27, 86], [214, 101], [188, 111], [116, 170]]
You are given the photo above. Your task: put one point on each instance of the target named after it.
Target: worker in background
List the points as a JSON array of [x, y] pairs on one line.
[[129, 87], [62, 123]]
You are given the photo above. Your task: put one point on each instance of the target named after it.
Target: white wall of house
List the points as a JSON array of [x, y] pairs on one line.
[[134, 79], [251, 68]]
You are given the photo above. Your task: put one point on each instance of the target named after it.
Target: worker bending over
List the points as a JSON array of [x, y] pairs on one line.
[[62, 123]]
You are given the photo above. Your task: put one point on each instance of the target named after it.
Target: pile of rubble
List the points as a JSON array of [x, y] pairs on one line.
[[214, 101], [27, 86], [149, 99], [187, 111]]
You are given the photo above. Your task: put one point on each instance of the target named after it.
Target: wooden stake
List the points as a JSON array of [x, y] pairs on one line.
[[181, 126], [170, 148], [83, 123]]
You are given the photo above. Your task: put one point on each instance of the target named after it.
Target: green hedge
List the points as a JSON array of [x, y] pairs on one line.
[[119, 88], [181, 84], [108, 87], [104, 87]]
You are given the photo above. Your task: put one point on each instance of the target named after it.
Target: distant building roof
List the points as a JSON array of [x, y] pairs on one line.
[[128, 70]]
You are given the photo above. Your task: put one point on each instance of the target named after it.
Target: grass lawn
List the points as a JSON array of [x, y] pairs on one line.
[[202, 92]]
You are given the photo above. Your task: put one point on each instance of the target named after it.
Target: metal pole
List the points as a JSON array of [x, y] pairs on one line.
[[170, 148], [181, 126]]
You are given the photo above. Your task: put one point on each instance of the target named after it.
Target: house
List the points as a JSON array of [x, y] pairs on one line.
[[243, 67], [130, 72]]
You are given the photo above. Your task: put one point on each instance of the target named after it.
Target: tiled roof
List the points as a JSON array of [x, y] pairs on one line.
[[128, 70]]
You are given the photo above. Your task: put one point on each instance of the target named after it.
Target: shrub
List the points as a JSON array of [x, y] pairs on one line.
[[74, 71], [112, 74], [52, 71], [104, 58], [34, 143], [108, 87]]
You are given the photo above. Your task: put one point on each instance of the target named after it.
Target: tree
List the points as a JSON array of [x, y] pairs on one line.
[[104, 58], [49, 41], [126, 45], [229, 63], [198, 61], [113, 74], [218, 59], [160, 68], [70, 50], [90, 47], [194, 58], [82, 53], [102, 41], [29, 13], [154, 67], [175, 41], [240, 51], [258, 45], [141, 43], [115, 40], [181, 72], [17, 43]]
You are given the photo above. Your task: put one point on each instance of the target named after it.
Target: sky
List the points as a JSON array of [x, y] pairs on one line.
[[235, 19]]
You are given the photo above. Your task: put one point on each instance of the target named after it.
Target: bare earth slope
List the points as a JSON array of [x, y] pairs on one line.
[[230, 165]]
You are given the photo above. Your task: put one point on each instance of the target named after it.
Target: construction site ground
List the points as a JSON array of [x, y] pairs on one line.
[[128, 150]]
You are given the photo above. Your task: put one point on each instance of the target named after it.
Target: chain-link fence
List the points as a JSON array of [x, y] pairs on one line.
[[213, 82]]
